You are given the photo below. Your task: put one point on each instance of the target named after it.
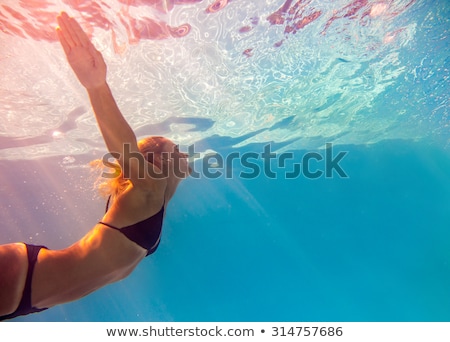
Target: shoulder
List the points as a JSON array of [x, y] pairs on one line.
[[137, 199], [150, 186], [147, 177]]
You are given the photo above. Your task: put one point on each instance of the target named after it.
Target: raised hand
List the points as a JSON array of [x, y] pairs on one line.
[[86, 61]]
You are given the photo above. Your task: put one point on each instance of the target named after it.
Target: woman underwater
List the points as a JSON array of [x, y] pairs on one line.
[[34, 278]]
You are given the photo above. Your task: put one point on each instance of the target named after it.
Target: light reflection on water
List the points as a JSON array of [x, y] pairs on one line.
[[243, 66]]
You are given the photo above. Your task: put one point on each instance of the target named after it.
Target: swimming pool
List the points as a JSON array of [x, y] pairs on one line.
[[370, 77]]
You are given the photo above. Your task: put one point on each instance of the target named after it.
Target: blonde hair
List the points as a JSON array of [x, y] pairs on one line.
[[117, 184]]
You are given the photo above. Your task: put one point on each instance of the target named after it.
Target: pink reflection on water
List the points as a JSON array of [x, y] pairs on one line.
[[164, 6], [361, 9], [41, 29], [254, 21], [278, 17], [36, 19], [294, 16], [186, 2], [93, 14], [217, 5], [148, 28], [248, 52], [378, 9], [391, 36], [245, 29]]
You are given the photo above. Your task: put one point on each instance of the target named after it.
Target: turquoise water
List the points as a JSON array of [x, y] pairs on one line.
[[372, 246]]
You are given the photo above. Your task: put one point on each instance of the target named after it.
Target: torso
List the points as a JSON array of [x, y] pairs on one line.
[[103, 256]]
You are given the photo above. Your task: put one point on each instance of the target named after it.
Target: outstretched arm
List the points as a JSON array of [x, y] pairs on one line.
[[90, 68]]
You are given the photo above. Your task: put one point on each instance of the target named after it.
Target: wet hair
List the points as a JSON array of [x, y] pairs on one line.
[[152, 145], [149, 147]]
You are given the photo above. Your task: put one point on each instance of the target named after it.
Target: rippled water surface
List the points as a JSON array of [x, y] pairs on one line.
[[298, 72]]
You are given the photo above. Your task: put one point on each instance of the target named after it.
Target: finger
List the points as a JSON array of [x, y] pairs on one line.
[[63, 41], [79, 35], [65, 29]]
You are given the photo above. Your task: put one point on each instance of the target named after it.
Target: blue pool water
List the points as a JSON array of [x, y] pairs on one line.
[[372, 79]]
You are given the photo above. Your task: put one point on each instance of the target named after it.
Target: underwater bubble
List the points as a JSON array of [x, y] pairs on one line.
[[68, 160]]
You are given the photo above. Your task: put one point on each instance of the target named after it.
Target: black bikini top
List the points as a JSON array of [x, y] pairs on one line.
[[146, 233]]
